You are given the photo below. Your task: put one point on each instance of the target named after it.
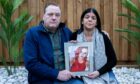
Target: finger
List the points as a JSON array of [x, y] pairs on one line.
[[73, 41], [65, 78], [90, 77], [73, 76], [90, 74], [79, 76], [69, 75], [93, 76]]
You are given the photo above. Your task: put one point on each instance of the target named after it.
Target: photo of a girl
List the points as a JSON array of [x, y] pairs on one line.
[[79, 62]]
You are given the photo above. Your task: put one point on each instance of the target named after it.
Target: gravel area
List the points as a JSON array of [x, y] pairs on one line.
[[127, 75], [124, 76], [19, 78]]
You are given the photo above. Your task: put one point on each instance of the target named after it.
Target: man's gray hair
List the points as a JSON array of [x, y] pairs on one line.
[[48, 4]]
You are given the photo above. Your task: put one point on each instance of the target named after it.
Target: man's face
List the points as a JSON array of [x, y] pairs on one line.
[[52, 17]]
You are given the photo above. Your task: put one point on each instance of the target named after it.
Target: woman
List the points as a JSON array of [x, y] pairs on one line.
[[79, 62], [104, 55]]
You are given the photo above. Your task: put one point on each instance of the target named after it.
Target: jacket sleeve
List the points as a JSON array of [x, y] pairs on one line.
[[111, 56], [32, 64], [68, 33]]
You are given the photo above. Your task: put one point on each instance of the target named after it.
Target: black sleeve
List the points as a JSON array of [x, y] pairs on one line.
[[74, 36], [111, 56]]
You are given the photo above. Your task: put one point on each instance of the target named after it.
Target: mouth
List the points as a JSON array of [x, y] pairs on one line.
[[53, 22], [90, 24]]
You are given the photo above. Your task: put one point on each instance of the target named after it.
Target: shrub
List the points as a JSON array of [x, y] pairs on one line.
[[11, 32], [133, 29]]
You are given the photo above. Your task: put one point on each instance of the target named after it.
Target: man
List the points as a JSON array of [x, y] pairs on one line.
[[44, 49]]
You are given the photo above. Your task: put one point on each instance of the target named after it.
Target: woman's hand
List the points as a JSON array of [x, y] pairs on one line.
[[73, 41], [93, 74]]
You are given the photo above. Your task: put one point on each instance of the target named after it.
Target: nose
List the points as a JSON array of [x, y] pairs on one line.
[[54, 16], [90, 18]]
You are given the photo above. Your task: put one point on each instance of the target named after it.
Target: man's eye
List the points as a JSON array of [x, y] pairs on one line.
[[57, 15], [50, 14]]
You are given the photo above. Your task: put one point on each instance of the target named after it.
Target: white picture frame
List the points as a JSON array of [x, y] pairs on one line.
[[79, 58]]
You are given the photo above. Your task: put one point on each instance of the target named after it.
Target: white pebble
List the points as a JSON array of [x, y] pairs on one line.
[[124, 75]]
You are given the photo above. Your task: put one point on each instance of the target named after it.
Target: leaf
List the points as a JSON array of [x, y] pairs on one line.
[[7, 7], [17, 37], [20, 31], [29, 19], [16, 4], [2, 24], [20, 18], [3, 38], [138, 19], [127, 16], [134, 25], [132, 37], [20, 21], [133, 34], [12, 31], [138, 58], [129, 40], [3, 60], [130, 5]]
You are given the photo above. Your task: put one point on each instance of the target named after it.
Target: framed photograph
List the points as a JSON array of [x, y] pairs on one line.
[[79, 58]]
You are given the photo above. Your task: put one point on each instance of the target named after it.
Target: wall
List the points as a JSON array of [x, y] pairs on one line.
[[71, 12]]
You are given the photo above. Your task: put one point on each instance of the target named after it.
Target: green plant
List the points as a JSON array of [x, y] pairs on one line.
[[132, 29], [11, 32]]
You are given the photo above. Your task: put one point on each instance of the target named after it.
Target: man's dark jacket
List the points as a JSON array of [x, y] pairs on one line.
[[38, 54]]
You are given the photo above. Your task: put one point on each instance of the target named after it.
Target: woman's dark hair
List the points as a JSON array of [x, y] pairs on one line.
[[93, 10]]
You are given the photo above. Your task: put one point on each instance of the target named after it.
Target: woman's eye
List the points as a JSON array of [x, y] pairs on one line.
[[86, 17], [94, 18]]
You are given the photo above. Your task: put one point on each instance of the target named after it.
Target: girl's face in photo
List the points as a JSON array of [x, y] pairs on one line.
[[83, 53], [89, 21]]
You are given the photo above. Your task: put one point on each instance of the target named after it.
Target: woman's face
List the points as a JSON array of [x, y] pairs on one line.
[[83, 53], [89, 21]]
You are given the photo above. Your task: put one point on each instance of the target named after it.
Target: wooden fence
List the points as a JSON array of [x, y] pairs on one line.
[[71, 12]]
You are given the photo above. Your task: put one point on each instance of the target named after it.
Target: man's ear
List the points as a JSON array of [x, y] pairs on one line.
[[43, 17]]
